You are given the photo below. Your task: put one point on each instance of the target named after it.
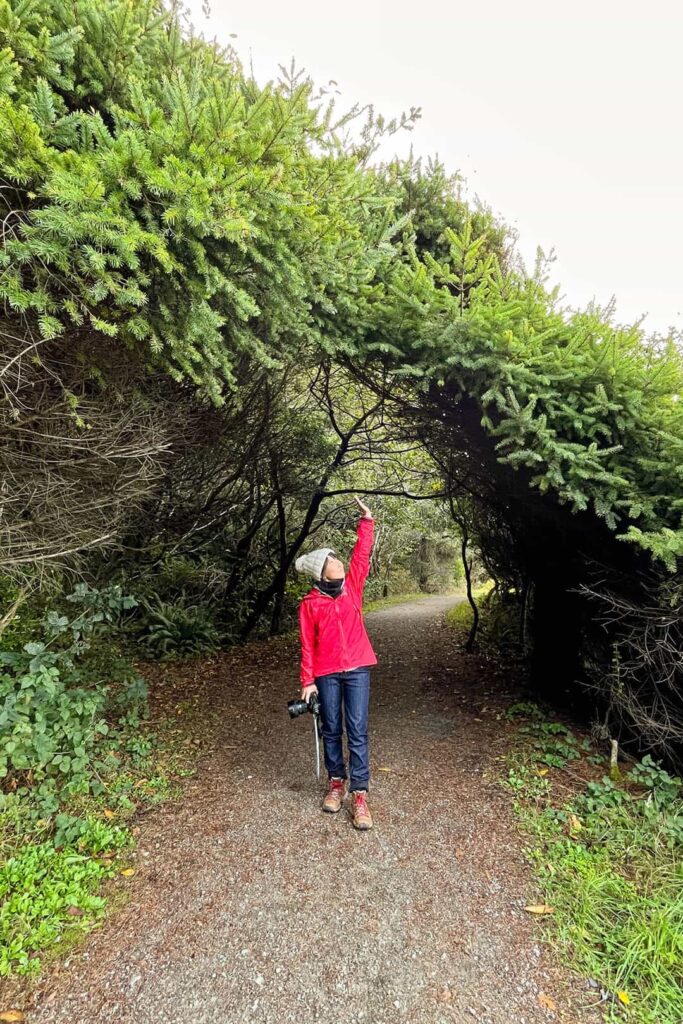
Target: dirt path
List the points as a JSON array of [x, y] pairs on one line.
[[249, 905]]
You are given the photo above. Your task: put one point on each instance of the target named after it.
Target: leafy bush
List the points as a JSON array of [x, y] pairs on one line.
[[501, 620], [173, 629], [74, 761], [48, 726], [553, 742], [665, 789], [524, 709], [55, 699]]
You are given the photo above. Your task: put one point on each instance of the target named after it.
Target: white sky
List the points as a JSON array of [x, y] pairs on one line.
[[566, 120]]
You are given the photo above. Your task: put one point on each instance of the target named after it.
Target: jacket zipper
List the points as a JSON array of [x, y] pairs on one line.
[[343, 637], [341, 628]]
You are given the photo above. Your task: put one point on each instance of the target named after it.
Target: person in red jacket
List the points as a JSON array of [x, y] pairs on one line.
[[336, 656]]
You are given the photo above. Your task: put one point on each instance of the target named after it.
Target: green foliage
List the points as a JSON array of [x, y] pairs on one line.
[[172, 205], [523, 709], [76, 759], [499, 618], [412, 552], [608, 862], [53, 716], [664, 789], [174, 629], [433, 199], [49, 894], [554, 743], [54, 727], [66, 704], [588, 410]]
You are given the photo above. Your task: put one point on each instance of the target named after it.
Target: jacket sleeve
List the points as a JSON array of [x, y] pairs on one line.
[[359, 565], [307, 634]]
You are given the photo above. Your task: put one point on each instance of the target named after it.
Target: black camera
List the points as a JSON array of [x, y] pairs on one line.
[[300, 707]]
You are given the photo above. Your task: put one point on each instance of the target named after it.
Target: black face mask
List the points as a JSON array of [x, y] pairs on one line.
[[332, 588]]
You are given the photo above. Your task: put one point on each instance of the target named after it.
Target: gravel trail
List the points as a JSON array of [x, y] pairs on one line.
[[249, 905]]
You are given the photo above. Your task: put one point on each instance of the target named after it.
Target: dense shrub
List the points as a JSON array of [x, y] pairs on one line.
[[58, 694], [176, 629]]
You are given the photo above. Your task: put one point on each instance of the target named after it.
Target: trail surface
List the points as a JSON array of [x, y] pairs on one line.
[[250, 905]]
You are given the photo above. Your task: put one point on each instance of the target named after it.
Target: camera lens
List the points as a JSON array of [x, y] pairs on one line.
[[297, 707]]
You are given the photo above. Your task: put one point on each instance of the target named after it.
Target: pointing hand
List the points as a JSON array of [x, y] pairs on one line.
[[366, 513]]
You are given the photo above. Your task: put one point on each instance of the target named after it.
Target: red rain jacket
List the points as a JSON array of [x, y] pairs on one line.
[[333, 636]]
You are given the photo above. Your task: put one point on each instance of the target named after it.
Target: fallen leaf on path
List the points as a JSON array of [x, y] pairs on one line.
[[546, 1002], [384, 769], [624, 998], [128, 872], [539, 908], [74, 912], [12, 1015], [542, 771], [108, 814]]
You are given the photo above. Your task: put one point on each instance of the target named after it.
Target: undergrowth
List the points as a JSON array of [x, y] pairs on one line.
[[499, 617], [607, 855], [78, 755]]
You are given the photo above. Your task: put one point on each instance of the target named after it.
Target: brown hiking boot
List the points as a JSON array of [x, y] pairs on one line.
[[362, 819], [335, 795]]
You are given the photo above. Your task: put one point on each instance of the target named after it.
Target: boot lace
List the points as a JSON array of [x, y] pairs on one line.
[[360, 804]]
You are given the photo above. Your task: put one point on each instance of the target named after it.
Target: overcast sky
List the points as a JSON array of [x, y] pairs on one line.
[[565, 120]]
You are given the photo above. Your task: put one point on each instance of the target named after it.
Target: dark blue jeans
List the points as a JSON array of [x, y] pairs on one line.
[[353, 690]]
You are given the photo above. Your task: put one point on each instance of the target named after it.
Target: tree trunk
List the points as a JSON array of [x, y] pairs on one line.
[[279, 583], [423, 563], [467, 566]]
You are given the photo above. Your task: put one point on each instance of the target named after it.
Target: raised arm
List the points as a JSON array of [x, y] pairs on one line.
[[359, 565]]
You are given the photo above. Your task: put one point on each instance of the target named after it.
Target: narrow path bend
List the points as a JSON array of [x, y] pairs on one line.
[[249, 905]]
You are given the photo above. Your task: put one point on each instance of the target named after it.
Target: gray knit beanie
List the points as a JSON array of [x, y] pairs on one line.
[[314, 562]]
